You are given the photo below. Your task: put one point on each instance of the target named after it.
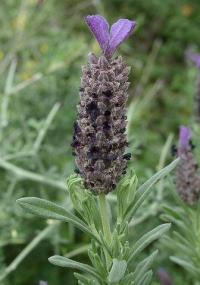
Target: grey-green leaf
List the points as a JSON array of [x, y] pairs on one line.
[[146, 279], [144, 266], [69, 263], [117, 271], [49, 210], [148, 238], [145, 189], [186, 265]]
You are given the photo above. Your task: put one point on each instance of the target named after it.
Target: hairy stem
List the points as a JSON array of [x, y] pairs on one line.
[[105, 217], [105, 224]]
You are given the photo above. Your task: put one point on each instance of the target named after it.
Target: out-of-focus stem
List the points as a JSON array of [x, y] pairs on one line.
[[14, 264], [23, 174]]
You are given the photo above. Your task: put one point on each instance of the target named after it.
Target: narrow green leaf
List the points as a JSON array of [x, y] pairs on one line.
[[145, 189], [128, 279], [69, 263], [148, 238], [85, 280], [186, 265], [175, 212], [146, 279], [125, 194], [82, 278], [183, 225], [144, 266], [116, 245], [49, 210], [117, 271], [97, 263]]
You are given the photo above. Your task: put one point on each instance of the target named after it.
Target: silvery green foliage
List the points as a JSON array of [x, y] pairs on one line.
[[111, 261], [184, 242]]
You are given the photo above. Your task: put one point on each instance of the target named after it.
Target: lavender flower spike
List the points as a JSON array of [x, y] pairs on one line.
[[110, 40], [100, 141], [187, 176]]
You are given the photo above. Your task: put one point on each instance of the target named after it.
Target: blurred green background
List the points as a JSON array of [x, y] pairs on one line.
[[43, 45]]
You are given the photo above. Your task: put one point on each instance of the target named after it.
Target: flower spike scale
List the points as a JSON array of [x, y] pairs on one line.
[[99, 140]]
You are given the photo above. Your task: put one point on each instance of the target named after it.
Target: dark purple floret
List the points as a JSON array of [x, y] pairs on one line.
[[174, 150]]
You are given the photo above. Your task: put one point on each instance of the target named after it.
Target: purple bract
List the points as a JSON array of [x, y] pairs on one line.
[[184, 137], [110, 38]]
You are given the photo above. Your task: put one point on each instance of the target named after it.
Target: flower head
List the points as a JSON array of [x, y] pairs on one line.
[[110, 38], [187, 175], [195, 57], [100, 141]]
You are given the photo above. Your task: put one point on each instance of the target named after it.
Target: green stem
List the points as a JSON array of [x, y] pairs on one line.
[[29, 175], [105, 218], [105, 225]]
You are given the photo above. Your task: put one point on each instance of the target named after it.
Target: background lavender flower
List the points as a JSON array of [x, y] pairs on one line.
[[99, 135], [195, 57], [187, 178], [164, 277]]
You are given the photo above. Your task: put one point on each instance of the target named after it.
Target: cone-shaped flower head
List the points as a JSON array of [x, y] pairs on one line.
[[187, 178], [99, 135]]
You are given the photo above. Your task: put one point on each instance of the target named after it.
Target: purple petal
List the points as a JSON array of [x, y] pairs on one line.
[[100, 28], [184, 137], [120, 31], [195, 57]]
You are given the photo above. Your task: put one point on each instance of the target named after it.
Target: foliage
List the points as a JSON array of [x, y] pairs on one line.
[[184, 240], [110, 252], [42, 46]]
